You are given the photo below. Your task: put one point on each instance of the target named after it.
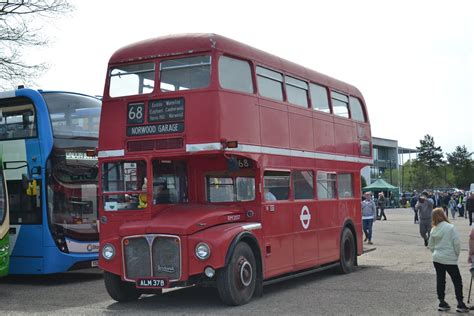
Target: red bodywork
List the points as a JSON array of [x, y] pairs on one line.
[[214, 115]]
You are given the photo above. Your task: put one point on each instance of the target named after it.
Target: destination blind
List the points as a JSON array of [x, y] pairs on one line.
[[166, 110], [168, 113], [155, 129]]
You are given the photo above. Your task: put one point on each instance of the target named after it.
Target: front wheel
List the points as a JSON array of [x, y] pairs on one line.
[[119, 290], [348, 252], [236, 281]]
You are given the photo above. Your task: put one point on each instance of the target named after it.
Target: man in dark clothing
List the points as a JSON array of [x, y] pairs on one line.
[[413, 201], [425, 207], [470, 206]]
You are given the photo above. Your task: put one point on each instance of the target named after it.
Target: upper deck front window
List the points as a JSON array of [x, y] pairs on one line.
[[132, 79], [73, 115], [185, 73]]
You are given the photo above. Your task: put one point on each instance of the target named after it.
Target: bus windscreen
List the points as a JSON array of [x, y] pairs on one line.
[[73, 115]]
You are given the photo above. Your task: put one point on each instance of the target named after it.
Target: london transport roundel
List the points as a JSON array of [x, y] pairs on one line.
[[305, 217]]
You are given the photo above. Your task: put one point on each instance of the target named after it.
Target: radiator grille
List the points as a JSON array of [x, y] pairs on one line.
[[152, 256], [137, 258], [166, 258]]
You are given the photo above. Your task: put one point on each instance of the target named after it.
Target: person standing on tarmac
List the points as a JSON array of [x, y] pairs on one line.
[[470, 206], [369, 215], [425, 208], [445, 245], [413, 200]]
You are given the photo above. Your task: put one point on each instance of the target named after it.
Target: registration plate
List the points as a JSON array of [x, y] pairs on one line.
[[94, 263], [150, 283]]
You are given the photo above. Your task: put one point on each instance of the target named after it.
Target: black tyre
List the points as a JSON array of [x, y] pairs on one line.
[[348, 252], [236, 282], [119, 290]]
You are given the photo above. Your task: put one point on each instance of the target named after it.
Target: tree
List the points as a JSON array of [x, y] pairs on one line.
[[428, 154], [20, 21], [462, 166], [428, 163]]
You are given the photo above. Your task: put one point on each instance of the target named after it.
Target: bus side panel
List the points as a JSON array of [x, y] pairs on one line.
[[26, 265], [4, 262], [328, 230], [21, 237], [239, 118], [56, 261]]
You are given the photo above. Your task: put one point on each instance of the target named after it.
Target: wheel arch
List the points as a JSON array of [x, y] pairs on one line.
[[350, 224], [252, 241]]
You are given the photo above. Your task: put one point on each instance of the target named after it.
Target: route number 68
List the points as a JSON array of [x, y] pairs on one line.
[[136, 113]]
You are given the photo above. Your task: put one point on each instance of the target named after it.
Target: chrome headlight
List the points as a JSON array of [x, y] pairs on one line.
[[4, 248], [108, 252], [203, 251]]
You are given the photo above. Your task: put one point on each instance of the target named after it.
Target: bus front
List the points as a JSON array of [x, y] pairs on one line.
[[49, 141], [171, 200], [71, 182]]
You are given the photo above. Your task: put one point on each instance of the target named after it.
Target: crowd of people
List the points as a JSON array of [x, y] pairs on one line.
[[432, 210], [453, 203]]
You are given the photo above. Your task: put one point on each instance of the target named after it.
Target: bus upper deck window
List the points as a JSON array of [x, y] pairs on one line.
[[132, 79], [357, 113], [17, 119], [185, 73]]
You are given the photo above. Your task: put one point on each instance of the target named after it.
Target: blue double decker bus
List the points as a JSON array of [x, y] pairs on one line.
[[49, 140]]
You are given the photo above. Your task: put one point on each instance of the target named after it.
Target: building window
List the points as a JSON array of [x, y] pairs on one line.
[[297, 91], [235, 74], [319, 98], [270, 83], [340, 104], [303, 184], [326, 185]]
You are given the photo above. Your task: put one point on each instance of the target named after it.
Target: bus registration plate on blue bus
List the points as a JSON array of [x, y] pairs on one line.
[[94, 263], [151, 283]]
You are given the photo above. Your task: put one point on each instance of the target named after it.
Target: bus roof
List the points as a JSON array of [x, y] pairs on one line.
[[179, 44]]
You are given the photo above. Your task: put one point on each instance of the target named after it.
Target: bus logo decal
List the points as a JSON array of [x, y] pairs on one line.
[[305, 217]]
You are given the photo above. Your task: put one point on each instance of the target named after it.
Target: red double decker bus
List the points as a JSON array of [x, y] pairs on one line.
[[222, 165]]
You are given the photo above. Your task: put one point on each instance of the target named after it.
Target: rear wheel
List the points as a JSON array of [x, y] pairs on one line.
[[236, 281], [348, 252], [119, 290]]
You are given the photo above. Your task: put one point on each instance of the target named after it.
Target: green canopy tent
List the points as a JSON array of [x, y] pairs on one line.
[[390, 192]]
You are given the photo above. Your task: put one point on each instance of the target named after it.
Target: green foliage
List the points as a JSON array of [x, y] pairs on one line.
[[427, 165], [428, 170], [429, 155], [462, 166]]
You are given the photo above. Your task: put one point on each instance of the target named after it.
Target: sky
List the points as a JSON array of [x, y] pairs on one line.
[[412, 60]]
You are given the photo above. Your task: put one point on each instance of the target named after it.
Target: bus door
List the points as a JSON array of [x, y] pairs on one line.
[[23, 168], [277, 223], [306, 244], [328, 224]]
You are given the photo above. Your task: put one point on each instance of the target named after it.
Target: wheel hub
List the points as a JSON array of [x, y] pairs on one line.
[[245, 272]]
